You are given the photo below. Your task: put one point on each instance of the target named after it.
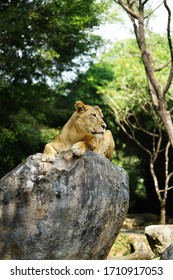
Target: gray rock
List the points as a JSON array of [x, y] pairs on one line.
[[159, 237], [168, 253], [70, 209]]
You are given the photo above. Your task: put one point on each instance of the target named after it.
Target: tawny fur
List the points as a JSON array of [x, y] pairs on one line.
[[85, 130]]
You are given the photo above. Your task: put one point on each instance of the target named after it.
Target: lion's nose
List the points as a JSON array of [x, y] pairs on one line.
[[104, 126]]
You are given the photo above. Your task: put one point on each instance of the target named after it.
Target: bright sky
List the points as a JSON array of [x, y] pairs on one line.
[[118, 31]]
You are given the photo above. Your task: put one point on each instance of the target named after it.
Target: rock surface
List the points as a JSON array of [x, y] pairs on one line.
[[168, 253], [159, 237], [70, 209]]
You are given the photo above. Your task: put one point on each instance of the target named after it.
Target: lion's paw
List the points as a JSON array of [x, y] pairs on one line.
[[78, 149], [48, 158]]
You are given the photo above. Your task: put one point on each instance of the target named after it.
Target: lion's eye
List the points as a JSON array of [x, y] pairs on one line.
[[94, 115]]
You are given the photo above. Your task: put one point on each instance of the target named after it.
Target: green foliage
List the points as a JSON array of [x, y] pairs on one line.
[[158, 46], [128, 88], [127, 95], [22, 138], [132, 164], [119, 80], [87, 85], [48, 134], [41, 38], [39, 41]]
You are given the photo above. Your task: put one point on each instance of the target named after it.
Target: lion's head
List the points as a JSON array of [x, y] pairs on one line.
[[90, 119]]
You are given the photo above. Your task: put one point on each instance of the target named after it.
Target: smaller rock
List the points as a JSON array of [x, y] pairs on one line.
[[159, 237], [168, 253]]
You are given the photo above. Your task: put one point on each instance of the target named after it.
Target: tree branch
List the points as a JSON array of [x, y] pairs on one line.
[[126, 8], [162, 66], [170, 188], [156, 183], [156, 148], [153, 95], [139, 127], [153, 10], [146, 57], [167, 163], [171, 110], [143, 4], [169, 81], [169, 176], [132, 136], [125, 122]]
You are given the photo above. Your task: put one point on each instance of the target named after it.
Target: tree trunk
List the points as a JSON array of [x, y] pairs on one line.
[[163, 213]]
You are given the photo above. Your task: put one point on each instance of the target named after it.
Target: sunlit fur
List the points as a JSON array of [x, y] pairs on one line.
[[85, 130]]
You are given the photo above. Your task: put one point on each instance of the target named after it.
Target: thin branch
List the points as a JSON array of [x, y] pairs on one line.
[[131, 133], [170, 188], [169, 176], [143, 129], [167, 164], [169, 81], [162, 66], [126, 8], [135, 27], [133, 137], [131, 2], [156, 148], [171, 110], [156, 183], [152, 12], [143, 4], [169, 28]]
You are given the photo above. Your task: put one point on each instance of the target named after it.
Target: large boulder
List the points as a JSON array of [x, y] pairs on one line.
[[159, 237], [70, 209], [168, 253]]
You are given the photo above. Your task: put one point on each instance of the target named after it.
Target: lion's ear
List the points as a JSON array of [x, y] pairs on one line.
[[99, 110], [80, 107]]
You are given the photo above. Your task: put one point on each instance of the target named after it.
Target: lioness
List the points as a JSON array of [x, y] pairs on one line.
[[85, 130]]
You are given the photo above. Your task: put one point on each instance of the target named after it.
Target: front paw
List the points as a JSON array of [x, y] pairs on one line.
[[48, 158], [78, 149]]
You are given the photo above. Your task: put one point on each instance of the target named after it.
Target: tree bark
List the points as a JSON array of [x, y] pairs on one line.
[[166, 119], [157, 91], [157, 94], [163, 214]]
